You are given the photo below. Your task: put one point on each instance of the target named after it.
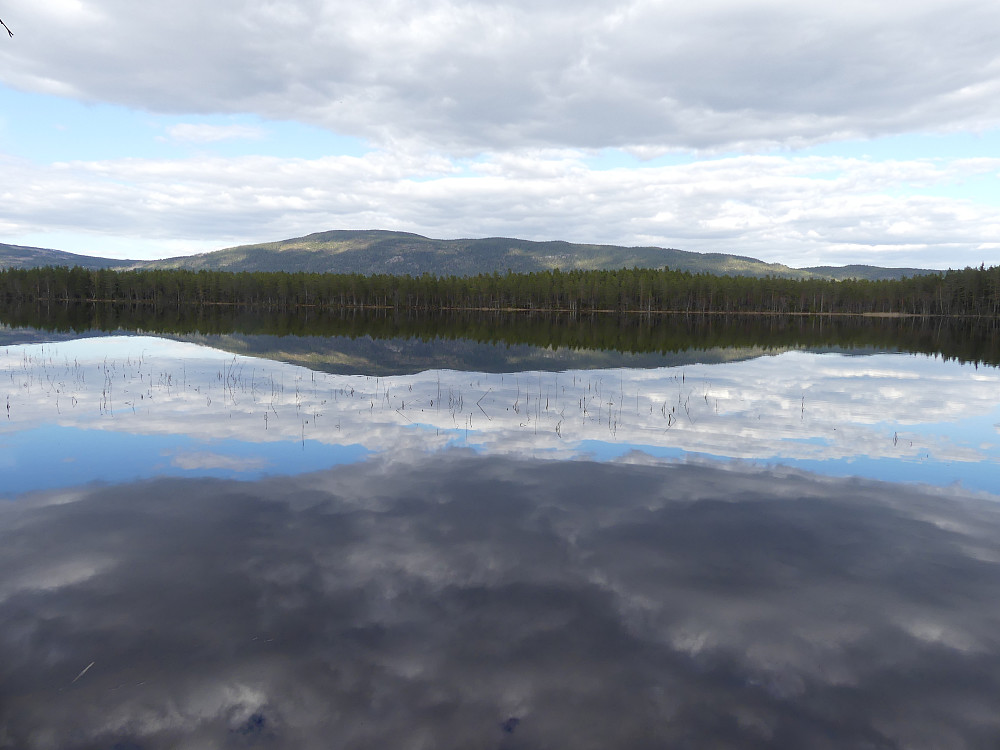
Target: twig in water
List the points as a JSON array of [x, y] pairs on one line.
[[480, 405], [85, 669]]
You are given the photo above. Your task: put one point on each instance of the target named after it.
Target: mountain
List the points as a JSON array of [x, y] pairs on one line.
[[386, 252], [398, 253], [377, 252], [22, 256]]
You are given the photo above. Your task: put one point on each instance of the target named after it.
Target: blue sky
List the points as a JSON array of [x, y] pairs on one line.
[[795, 132]]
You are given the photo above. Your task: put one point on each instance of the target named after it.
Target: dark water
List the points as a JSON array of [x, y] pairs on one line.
[[472, 602], [626, 558]]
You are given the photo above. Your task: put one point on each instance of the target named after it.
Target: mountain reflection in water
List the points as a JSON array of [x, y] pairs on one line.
[[454, 600]]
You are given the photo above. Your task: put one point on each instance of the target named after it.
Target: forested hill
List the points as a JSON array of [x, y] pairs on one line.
[[22, 256], [871, 273], [400, 253]]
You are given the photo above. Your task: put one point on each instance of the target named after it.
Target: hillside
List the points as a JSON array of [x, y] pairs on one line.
[[401, 253], [22, 256], [398, 253], [872, 273]]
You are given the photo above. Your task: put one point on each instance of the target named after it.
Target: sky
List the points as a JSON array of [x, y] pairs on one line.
[[793, 131]]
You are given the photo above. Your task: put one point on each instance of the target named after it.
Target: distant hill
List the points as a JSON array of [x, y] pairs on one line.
[[22, 256], [376, 251], [873, 273], [398, 253]]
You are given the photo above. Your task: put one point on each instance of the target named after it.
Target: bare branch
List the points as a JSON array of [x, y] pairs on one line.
[[6, 27]]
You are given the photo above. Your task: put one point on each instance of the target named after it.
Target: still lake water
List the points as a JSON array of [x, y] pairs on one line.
[[200, 548]]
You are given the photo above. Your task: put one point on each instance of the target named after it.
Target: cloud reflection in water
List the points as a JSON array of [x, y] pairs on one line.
[[160, 402], [456, 600]]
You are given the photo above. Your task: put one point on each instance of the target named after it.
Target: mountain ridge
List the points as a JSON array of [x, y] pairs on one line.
[[379, 251]]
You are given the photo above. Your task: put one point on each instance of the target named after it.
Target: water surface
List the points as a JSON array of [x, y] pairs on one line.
[[75, 408], [770, 548]]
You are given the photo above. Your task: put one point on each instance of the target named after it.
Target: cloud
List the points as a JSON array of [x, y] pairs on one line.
[[483, 119], [464, 77], [802, 210]]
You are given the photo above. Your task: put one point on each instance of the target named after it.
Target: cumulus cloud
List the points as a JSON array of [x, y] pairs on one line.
[[482, 118], [797, 210], [465, 76]]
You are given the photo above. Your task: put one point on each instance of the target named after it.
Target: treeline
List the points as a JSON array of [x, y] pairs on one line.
[[973, 292], [965, 339]]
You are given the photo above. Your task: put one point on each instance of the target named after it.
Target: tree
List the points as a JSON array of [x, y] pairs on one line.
[[6, 27]]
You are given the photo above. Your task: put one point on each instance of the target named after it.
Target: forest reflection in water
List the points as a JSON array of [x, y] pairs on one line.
[[972, 340], [497, 545]]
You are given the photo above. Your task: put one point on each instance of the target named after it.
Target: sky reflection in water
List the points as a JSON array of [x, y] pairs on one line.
[[492, 602], [178, 409], [419, 572]]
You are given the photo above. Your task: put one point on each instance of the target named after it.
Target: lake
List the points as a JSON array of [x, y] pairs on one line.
[[239, 538]]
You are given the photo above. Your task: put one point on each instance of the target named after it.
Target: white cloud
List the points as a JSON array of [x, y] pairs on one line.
[[482, 118], [466, 76], [796, 210]]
